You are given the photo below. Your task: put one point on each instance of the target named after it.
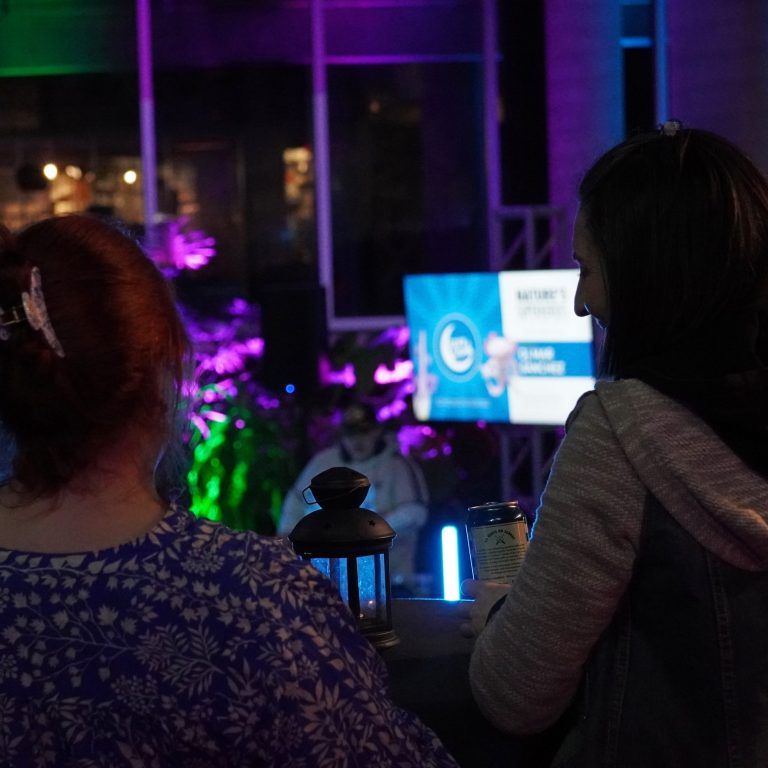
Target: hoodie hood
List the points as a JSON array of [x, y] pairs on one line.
[[699, 480]]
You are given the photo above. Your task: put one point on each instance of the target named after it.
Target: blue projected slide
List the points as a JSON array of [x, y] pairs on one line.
[[502, 347]]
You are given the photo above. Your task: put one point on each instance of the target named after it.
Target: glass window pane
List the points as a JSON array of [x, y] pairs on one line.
[[336, 570], [406, 177], [69, 143], [373, 596], [232, 158]]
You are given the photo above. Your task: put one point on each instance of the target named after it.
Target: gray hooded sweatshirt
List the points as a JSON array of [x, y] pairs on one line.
[[624, 440]]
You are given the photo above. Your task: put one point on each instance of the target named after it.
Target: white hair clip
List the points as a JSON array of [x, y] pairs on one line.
[[37, 313], [670, 127]]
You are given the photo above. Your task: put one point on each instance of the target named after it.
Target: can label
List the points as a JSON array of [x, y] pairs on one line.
[[498, 550]]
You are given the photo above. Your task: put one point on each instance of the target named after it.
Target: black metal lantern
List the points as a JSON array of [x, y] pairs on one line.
[[350, 545]]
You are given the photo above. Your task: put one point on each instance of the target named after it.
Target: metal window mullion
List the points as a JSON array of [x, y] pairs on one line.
[[147, 118], [491, 134], [323, 214]]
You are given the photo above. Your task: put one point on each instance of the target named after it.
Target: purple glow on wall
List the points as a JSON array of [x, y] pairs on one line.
[[585, 95], [717, 65]]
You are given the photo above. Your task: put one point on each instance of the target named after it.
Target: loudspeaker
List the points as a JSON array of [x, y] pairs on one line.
[[295, 333]]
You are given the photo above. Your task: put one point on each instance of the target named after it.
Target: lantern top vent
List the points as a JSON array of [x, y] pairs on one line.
[[341, 526], [340, 488]]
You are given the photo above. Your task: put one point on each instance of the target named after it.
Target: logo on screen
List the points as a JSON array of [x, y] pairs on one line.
[[458, 345]]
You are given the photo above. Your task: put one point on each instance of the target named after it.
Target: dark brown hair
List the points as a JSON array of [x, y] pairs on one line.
[[681, 225], [124, 342]]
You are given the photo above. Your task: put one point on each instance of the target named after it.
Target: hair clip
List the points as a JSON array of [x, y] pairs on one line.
[[670, 127], [37, 313]]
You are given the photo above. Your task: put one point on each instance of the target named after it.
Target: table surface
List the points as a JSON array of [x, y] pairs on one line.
[[429, 675]]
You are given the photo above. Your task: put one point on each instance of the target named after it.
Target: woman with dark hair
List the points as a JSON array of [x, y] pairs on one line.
[[131, 632], [635, 630]]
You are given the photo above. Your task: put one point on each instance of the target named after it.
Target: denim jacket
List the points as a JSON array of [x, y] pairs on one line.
[[688, 648], [636, 625]]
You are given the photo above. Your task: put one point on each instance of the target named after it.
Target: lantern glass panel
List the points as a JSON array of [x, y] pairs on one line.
[[371, 581], [373, 595], [336, 570]]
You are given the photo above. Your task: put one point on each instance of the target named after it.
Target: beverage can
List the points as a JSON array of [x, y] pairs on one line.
[[497, 533]]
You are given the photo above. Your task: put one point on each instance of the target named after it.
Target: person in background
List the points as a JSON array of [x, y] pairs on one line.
[[398, 491], [131, 632], [634, 633]]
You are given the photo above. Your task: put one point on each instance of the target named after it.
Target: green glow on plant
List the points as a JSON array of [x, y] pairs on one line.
[[238, 484], [275, 505], [206, 473], [238, 469]]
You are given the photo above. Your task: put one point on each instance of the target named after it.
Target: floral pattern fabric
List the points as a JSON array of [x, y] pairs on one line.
[[192, 646]]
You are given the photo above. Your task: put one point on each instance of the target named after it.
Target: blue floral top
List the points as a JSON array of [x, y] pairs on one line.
[[194, 645]]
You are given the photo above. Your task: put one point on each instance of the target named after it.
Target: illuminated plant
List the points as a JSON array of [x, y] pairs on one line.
[[238, 465]]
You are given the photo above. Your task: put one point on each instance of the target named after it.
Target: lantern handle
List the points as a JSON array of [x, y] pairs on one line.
[[311, 500]]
